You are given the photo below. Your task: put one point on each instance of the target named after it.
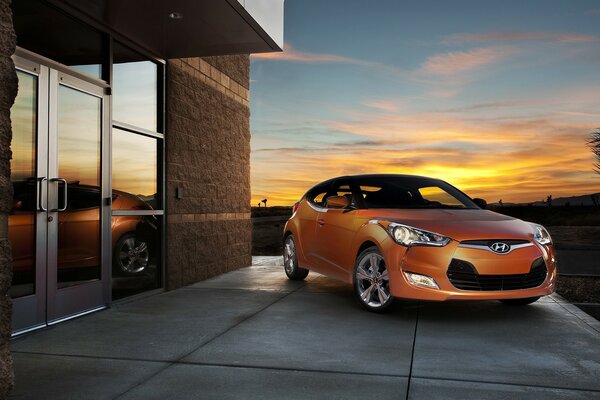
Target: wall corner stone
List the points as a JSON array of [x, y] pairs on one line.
[[8, 91]]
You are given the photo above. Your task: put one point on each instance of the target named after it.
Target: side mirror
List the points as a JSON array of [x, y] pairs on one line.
[[337, 202], [17, 204], [481, 203]]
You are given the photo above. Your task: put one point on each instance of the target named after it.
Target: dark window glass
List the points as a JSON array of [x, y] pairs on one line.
[[136, 254], [343, 189], [24, 196], [48, 31], [410, 192], [135, 89], [135, 166], [81, 198]]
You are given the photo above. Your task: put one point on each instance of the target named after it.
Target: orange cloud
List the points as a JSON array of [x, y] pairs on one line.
[[511, 158], [457, 62], [382, 104], [292, 55], [520, 37]]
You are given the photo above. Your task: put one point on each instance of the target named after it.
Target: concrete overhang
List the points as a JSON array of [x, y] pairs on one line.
[[191, 28]]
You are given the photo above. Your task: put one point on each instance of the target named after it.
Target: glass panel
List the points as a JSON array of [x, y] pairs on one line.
[[45, 30], [136, 254], [435, 194], [134, 173], [21, 220], [79, 133], [135, 85]]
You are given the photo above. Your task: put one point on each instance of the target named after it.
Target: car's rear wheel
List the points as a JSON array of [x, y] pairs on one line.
[[371, 281], [520, 302], [290, 261]]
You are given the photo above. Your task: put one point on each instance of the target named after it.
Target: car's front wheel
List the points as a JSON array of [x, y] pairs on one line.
[[290, 261], [371, 281], [519, 302], [130, 256]]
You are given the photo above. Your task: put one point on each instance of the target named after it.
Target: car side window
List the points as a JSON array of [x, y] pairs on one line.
[[381, 194], [82, 199], [343, 189], [24, 196], [318, 194], [319, 199]]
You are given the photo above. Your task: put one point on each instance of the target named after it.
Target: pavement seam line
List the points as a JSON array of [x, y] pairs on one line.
[[412, 353], [241, 322], [35, 353], [272, 368], [560, 303], [434, 378], [221, 365], [179, 360]]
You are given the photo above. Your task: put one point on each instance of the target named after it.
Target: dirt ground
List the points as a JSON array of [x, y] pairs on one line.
[[579, 289], [577, 235]]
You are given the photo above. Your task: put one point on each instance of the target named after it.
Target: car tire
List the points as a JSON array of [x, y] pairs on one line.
[[290, 260], [371, 281], [519, 302], [130, 257]]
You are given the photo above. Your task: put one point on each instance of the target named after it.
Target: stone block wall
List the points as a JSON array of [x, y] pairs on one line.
[[8, 91], [209, 231]]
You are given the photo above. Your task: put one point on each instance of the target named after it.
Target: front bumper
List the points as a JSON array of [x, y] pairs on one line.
[[434, 262]]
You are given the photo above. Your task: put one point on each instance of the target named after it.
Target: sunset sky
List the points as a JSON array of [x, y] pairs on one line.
[[497, 98]]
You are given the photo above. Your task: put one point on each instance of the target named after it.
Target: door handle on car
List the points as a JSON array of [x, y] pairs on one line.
[[321, 221], [64, 181], [40, 196]]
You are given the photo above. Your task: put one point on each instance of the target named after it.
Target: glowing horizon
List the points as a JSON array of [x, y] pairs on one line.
[[501, 114]]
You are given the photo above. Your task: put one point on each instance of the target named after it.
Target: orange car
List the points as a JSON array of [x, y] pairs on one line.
[[418, 238], [79, 230]]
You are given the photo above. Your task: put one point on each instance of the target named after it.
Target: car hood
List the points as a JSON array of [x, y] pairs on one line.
[[465, 224]]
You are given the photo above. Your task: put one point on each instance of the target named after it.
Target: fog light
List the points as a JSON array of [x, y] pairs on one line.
[[421, 280]]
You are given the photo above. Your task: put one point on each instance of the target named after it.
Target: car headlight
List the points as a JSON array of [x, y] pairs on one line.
[[408, 236], [541, 235]]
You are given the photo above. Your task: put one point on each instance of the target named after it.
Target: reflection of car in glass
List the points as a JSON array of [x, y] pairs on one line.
[[78, 230], [415, 237]]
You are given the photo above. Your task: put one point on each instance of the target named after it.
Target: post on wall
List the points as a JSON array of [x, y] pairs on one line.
[[8, 92]]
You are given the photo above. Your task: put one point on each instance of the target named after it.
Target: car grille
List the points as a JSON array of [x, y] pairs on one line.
[[510, 242], [464, 276]]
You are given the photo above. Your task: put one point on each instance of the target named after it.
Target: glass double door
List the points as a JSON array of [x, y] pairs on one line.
[[57, 225]]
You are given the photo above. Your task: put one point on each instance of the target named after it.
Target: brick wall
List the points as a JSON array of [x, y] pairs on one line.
[[208, 158], [8, 91]]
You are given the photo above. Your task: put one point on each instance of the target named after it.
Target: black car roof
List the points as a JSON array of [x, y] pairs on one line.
[[369, 176]]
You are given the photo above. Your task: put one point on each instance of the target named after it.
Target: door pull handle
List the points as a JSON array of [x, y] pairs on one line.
[[321, 222], [40, 195], [64, 181]]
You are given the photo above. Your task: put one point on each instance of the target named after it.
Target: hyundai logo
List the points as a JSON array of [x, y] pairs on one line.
[[500, 248]]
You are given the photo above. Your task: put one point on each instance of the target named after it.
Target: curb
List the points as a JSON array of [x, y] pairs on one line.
[[577, 312]]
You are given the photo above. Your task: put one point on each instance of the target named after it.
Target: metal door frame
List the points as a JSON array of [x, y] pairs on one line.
[[29, 312], [71, 301], [49, 305]]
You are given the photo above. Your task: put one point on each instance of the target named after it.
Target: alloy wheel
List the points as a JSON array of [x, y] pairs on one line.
[[290, 261], [372, 281], [133, 259], [289, 256]]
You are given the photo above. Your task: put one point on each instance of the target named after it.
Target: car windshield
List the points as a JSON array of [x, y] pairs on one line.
[[410, 192]]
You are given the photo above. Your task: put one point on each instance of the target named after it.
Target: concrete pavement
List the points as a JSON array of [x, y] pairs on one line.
[[252, 334]]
